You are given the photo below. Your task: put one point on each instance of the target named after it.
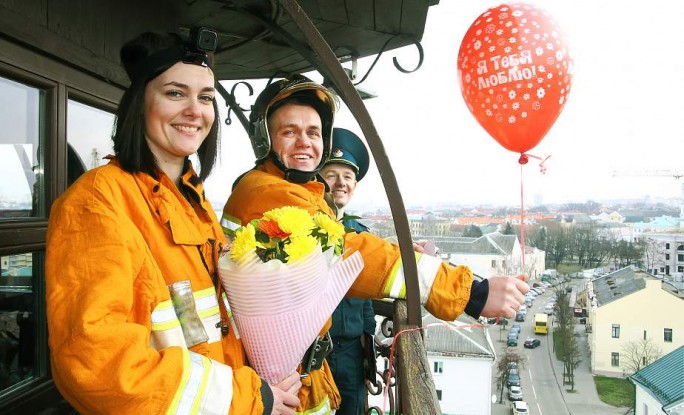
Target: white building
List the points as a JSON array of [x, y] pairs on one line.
[[461, 359], [494, 254]]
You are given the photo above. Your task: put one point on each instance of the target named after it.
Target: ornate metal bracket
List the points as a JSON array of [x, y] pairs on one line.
[[421, 56], [233, 105]]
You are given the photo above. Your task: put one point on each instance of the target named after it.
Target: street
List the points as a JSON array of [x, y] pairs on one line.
[[542, 373]]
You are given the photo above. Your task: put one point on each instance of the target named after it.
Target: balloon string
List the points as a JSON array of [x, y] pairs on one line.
[[394, 341], [524, 158], [522, 219]]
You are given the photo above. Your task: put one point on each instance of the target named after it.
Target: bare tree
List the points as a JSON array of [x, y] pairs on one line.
[[654, 251], [639, 354], [508, 359], [568, 342]]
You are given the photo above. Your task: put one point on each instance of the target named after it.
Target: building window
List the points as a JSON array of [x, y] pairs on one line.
[[616, 331], [667, 257], [18, 316], [644, 409], [667, 245], [680, 257], [493, 263], [615, 359], [644, 334], [21, 178], [667, 335], [438, 367], [89, 131], [439, 394]]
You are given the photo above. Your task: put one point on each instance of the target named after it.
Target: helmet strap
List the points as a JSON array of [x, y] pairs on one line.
[[294, 175]]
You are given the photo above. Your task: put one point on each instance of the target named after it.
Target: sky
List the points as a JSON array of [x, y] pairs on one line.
[[622, 114]]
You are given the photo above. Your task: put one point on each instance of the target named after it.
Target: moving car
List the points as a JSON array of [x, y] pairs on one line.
[[519, 407], [515, 393], [531, 343]]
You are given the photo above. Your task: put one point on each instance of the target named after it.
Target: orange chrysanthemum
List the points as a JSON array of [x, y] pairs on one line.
[[271, 228]]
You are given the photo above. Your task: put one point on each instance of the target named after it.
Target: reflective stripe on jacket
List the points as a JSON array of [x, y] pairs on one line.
[[118, 245], [444, 290]]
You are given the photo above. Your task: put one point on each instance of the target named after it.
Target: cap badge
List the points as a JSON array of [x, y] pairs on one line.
[[337, 153]]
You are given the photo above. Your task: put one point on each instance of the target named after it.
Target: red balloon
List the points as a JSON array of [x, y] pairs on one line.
[[515, 73]]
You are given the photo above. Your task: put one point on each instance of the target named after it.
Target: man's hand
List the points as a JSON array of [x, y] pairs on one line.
[[285, 398], [506, 294]]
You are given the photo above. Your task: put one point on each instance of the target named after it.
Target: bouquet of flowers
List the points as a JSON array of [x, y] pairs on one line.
[[284, 275]]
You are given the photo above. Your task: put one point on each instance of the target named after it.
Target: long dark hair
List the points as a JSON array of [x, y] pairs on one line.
[[130, 146]]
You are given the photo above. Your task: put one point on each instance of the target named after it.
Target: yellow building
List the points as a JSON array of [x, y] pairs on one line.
[[630, 309]]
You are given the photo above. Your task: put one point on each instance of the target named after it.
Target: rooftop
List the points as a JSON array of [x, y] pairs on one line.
[[664, 379]]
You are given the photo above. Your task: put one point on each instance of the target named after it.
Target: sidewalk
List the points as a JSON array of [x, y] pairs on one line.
[[584, 400]]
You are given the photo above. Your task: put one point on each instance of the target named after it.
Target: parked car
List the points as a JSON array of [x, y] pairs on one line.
[[519, 408], [512, 339], [519, 316], [532, 343], [548, 309], [515, 393], [497, 320], [515, 328], [513, 378]]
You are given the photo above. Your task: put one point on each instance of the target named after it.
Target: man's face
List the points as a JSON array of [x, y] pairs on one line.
[[296, 134], [342, 181]]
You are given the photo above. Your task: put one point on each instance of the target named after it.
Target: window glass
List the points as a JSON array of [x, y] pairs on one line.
[[616, 331], [22, 110], [17, 317], [667, 336], [615, 359], [438, 367], [89, 132]]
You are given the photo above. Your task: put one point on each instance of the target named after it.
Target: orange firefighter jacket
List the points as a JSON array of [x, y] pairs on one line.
[[445, 290], [133, 316]]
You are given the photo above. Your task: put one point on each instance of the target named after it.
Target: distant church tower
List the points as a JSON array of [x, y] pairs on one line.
[[94, 158]]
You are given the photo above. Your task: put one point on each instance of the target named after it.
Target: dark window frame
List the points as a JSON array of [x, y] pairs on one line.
[[59, 82]]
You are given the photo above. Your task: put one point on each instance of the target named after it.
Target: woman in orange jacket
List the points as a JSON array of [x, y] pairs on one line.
[[138, 322], [291, 131]]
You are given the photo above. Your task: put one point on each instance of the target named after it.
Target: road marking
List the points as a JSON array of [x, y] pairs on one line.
[[534, 391], [539, 408]]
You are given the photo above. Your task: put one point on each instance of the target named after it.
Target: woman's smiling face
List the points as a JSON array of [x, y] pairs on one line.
[[179, 111]]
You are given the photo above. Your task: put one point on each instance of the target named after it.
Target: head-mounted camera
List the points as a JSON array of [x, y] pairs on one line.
[[201, 42]]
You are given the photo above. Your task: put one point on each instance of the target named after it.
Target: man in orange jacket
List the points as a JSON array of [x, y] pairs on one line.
[[291, 128]]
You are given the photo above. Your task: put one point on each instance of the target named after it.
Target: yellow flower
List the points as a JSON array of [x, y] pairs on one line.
[[245, 241], [329, 226], [299, 247], [293, 220]]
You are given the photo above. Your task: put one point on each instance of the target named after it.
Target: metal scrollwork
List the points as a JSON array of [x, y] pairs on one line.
[[384, 380], [234, 105], [420, 60], [396, 62]]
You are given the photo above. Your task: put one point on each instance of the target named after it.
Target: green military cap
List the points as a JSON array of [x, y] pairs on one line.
[[347, 148]]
